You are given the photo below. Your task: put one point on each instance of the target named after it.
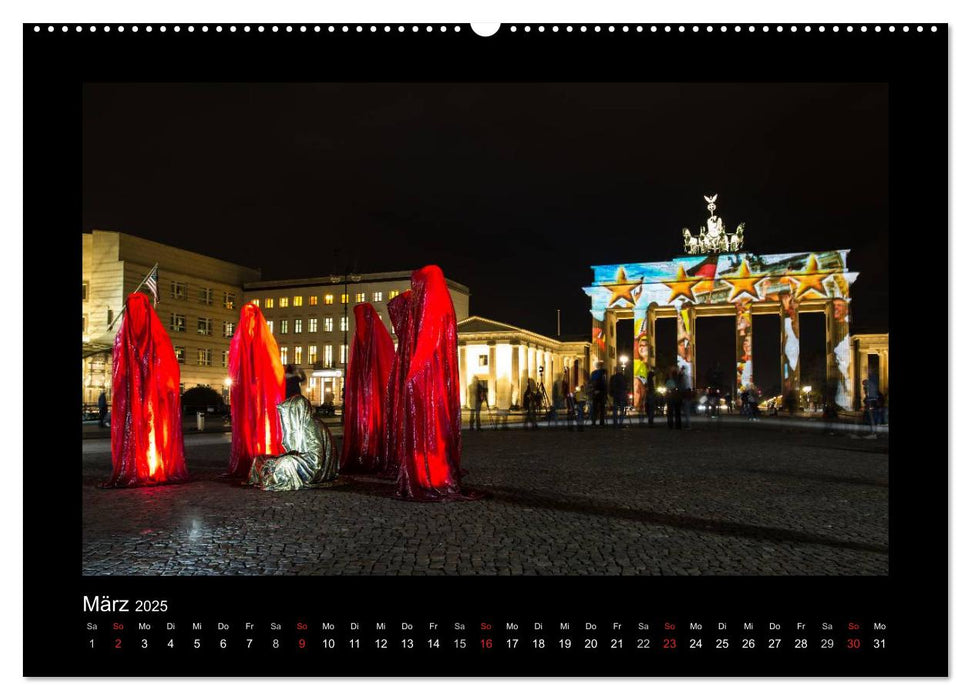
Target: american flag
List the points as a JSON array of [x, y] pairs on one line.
[[151, 281]]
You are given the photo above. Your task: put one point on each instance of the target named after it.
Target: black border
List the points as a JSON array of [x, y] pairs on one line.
[[912, 600]]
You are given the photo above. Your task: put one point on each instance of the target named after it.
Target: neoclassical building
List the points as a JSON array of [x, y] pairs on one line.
[[312, 320], [198, 303], [506, 357]]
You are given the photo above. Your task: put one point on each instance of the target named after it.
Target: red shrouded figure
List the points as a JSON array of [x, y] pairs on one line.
[[146, 411], [430, 442], [399, 309], [258, 387], [372, 353]]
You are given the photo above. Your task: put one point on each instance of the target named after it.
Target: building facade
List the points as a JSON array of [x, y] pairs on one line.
[[198, 303], [312, 320], [506, 358], [871, 358]]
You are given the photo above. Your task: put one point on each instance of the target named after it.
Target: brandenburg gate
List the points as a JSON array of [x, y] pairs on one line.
[[716, 278]]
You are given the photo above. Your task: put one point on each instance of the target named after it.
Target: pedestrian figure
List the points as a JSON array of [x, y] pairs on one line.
[[687, 398], [651, 401], [294, 377], [618, 392], [598, 389], [481, 395], [870, 404], [580, 403], [673, 407], [530, 401], [102, 409]]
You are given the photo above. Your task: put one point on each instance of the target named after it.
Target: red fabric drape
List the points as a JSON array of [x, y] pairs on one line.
[[257, 389], [146, 411], [399, 309], [431, 419], [366, 390]]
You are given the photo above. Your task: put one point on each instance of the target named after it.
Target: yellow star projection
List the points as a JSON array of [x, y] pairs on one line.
[[810, 279], [623, 289], [681, 285], [744, 282]]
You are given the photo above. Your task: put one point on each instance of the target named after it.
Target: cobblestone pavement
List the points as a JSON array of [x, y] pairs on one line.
[[728, 499]]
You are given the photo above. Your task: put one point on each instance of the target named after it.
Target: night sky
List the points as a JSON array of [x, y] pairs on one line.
[[514, 190]]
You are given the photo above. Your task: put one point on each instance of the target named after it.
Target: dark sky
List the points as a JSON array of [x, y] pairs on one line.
[[514, 190]]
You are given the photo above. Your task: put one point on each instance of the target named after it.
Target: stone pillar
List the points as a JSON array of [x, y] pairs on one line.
[[839, 358], [463, 378], [493, 377], [686, 342], [789, 342], [515, 373], [743, 346], [598, 342]]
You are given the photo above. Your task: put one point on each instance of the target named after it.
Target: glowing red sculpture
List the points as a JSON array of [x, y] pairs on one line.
[[257, 388], [146, 411], [399, 309], [430, 443], [365, 394]]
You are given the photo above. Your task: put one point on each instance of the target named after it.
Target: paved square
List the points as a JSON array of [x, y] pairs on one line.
[[732, 498]]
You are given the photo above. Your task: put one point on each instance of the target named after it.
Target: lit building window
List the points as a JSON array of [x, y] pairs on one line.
[[177, 323], [284, 302], [255, 302], [329, 323], [298, 325], [312, 354], [205, 295], [269, 303], [177, 290], [283, 355], [345, 298], [205, 326], [343, 354], [298, 301], [328, 299], [393, 293], [328, 355], [225, 358], [84, 291], [360, 297], [312, 325], [269, 324], [343, 323], [180, 354], [298, 354], [312, 301], [204, 356], [229, 300], [228, 328], [377, 296], [283, 326]]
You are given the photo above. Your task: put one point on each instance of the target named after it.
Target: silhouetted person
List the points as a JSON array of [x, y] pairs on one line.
[[673, 407], [102, 409], [598, 395], [618, 392], [294, 377]]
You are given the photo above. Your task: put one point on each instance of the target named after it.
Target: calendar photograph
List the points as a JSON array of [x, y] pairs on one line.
[[503, 329], [512, 350]]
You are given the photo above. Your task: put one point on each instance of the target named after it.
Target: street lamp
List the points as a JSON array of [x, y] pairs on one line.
[[623, 362]]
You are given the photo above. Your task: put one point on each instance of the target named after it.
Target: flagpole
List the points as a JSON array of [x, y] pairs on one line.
[[140, 284]]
